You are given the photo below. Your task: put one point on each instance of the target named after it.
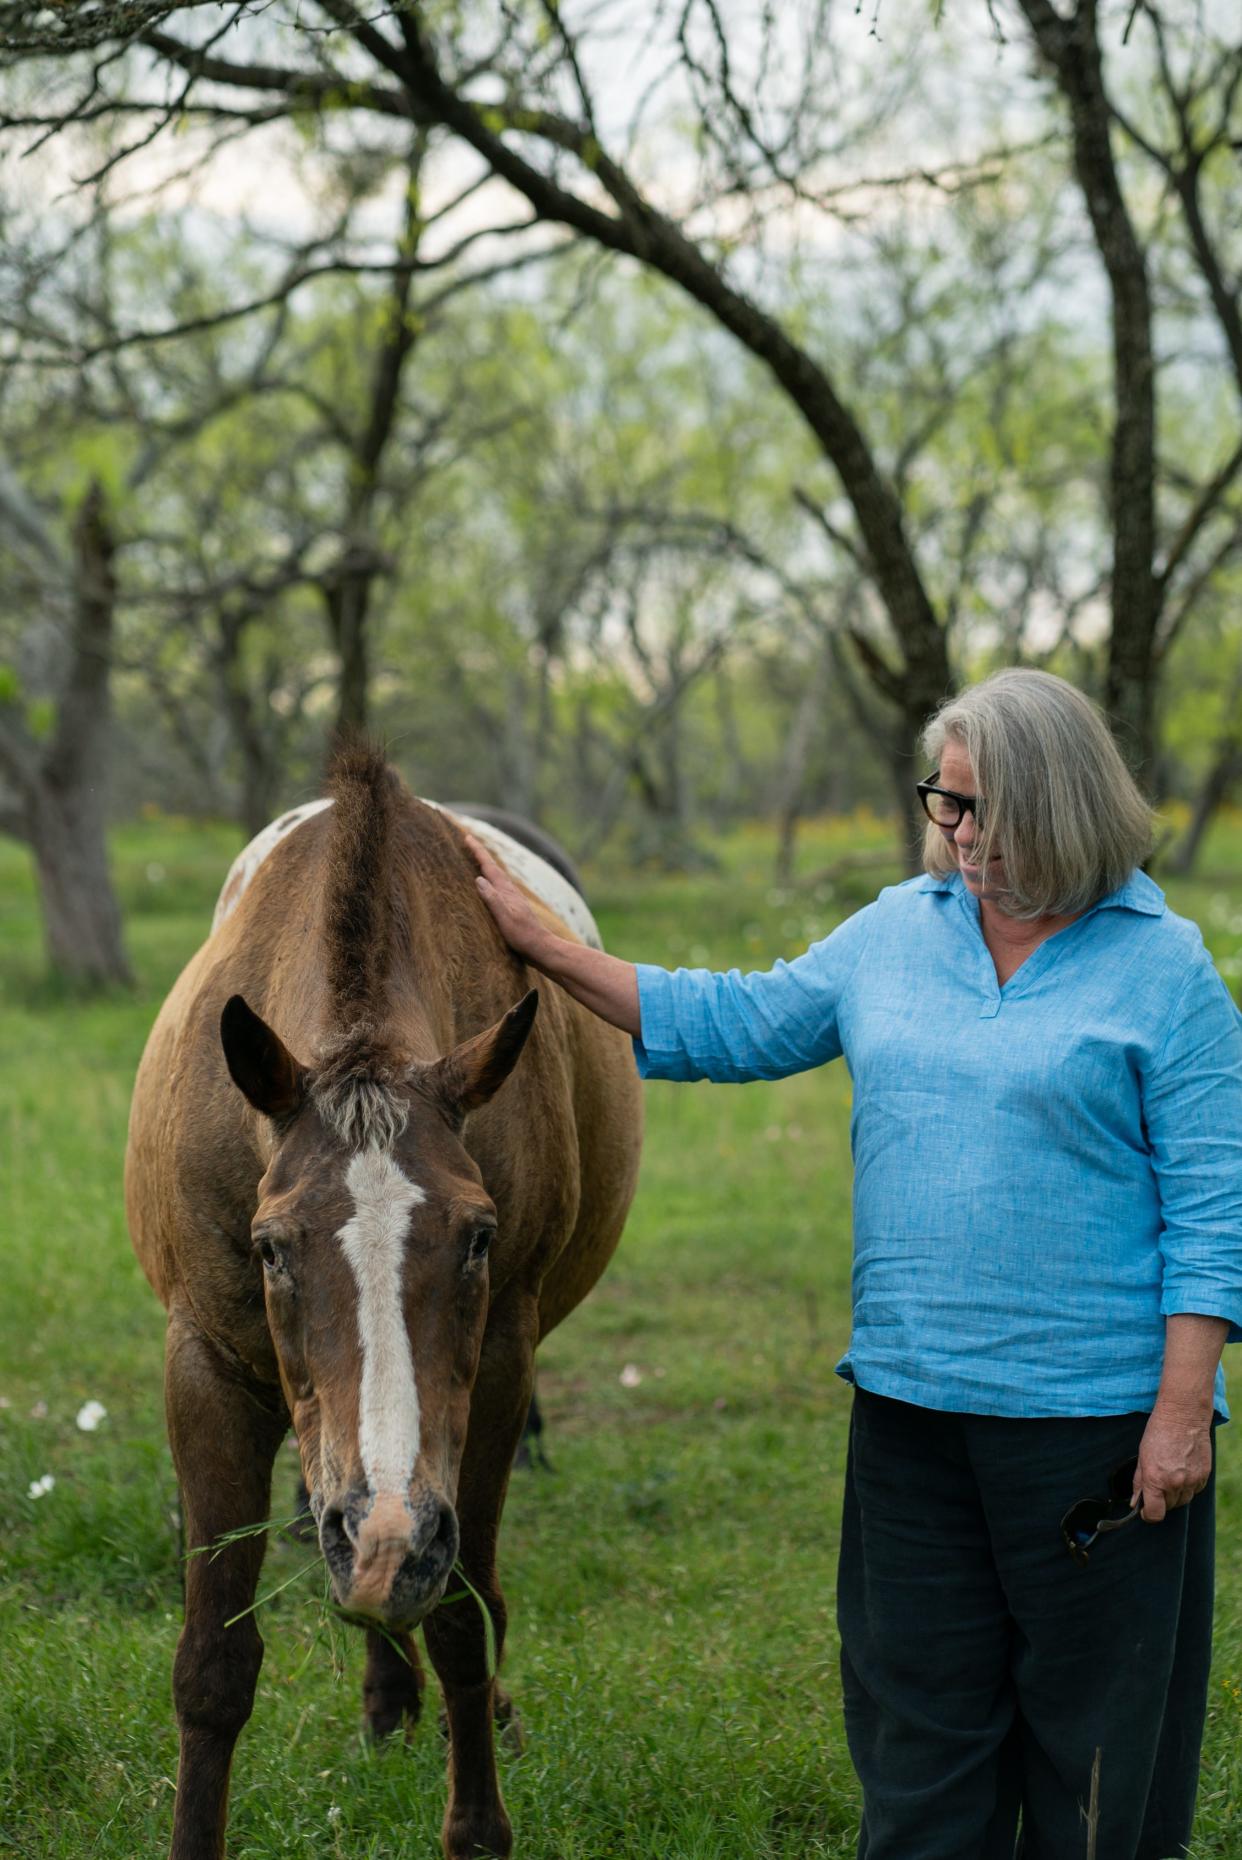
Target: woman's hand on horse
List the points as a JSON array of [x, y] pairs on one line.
[[602, 983], [515, 919]]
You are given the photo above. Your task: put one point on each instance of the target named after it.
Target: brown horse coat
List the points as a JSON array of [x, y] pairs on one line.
[[355, 1229]]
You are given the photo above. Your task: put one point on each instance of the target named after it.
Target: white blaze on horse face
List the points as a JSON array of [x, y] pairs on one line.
[[373, 1241]]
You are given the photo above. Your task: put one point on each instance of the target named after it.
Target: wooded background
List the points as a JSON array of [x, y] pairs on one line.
[[637, 414]]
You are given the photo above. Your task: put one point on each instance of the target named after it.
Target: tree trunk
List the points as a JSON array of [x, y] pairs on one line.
[[259, 779], [349, 591], [1072, 48], [1224, 773], [349, 597], [61, 789], [81, 920], [736, 777], [793, 766], [258, 785], [517, 748]]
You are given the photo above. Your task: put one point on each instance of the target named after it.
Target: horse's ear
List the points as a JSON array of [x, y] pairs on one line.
[[473, 1072], [259, 1062]]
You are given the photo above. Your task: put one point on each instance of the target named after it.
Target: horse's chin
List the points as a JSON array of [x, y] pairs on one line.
[[401, 1620]]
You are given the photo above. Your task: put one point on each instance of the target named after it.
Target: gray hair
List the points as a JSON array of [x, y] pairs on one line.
[[1060, 805]]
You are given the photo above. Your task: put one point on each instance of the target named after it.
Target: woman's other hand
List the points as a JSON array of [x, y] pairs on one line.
[[1175, 1458]]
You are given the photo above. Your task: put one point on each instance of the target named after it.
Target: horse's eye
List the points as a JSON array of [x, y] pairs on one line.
[[480, 1240], [267, 1251]]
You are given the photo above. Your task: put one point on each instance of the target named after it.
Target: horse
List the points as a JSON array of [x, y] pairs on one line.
[[359, 1230]]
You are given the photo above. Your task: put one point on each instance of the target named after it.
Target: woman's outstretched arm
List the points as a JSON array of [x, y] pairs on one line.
[[603, 983]]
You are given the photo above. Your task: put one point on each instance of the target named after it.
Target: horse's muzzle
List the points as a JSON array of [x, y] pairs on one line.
[[389, 1556]]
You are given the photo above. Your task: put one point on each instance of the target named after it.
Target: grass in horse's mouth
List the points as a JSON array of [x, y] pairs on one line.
[[467, 1590], [315, 1563], [222, 1542]]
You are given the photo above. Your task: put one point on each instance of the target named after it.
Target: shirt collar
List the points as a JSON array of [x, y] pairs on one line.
[[1138, 893]]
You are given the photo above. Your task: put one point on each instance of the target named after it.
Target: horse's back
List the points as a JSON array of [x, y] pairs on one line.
[[188, 1121]]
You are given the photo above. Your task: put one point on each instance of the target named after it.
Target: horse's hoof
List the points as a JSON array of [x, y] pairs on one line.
[[382, 1722], [477, 1837], [384, 1708]]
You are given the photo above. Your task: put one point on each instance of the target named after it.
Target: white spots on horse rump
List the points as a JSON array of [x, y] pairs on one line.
[[251, 857], [544, 880], [373, 1241]]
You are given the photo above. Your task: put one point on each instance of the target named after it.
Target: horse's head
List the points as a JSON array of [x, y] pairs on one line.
[[373, 1231]]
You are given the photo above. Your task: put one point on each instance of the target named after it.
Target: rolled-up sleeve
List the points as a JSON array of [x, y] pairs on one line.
[[700, 1024], [1193, 1111]]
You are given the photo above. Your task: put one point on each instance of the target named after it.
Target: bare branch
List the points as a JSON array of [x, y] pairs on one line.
[[313, 89], [1204, 507], [1173, 622], [77, 357], [171, 110], [25, 525], [644, 232], [814, 508], [390, 57]]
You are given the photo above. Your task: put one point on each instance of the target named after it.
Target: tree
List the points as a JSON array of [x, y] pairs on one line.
[[55, 728], [737, 163], [1141, 585]]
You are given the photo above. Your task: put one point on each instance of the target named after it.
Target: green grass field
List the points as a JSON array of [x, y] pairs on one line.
[[672, 1648]]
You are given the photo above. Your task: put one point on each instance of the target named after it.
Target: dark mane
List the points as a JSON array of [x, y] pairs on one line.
[[359, 906], [356, 1083]]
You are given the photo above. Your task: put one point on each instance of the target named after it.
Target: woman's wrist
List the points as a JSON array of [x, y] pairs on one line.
[[551, 955], [1193, 1346]]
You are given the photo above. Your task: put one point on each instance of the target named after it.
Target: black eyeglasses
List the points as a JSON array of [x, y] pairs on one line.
[[1090, 1518], [943, 806]]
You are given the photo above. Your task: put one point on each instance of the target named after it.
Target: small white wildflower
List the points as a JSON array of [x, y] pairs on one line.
[[90, 1414], [5, 1402], [630, 1376], [39, 1411], [334, 1813], [39, 1488], [155, 873]]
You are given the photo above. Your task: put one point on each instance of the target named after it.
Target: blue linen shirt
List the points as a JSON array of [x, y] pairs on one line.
[[1042, 1172]]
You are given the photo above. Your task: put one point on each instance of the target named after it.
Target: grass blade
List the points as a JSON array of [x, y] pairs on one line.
[[286, 1584]]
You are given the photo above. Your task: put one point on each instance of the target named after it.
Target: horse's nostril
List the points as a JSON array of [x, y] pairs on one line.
[[334, 1533], [445, 1539]]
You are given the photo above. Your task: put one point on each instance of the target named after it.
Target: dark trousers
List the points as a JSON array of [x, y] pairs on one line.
[[983, 1669]]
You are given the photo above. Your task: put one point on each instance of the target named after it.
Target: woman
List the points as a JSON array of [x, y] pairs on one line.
[[1047, 1136]]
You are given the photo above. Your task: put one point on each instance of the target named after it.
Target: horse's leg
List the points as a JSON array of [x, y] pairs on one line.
[[392, 1685], [223, 1442], [475, 1822]]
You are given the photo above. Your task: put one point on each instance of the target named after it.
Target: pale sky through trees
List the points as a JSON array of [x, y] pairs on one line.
[[836, 341]]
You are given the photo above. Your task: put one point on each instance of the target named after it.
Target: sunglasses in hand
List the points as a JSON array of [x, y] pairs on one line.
[[1090, 1518]]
